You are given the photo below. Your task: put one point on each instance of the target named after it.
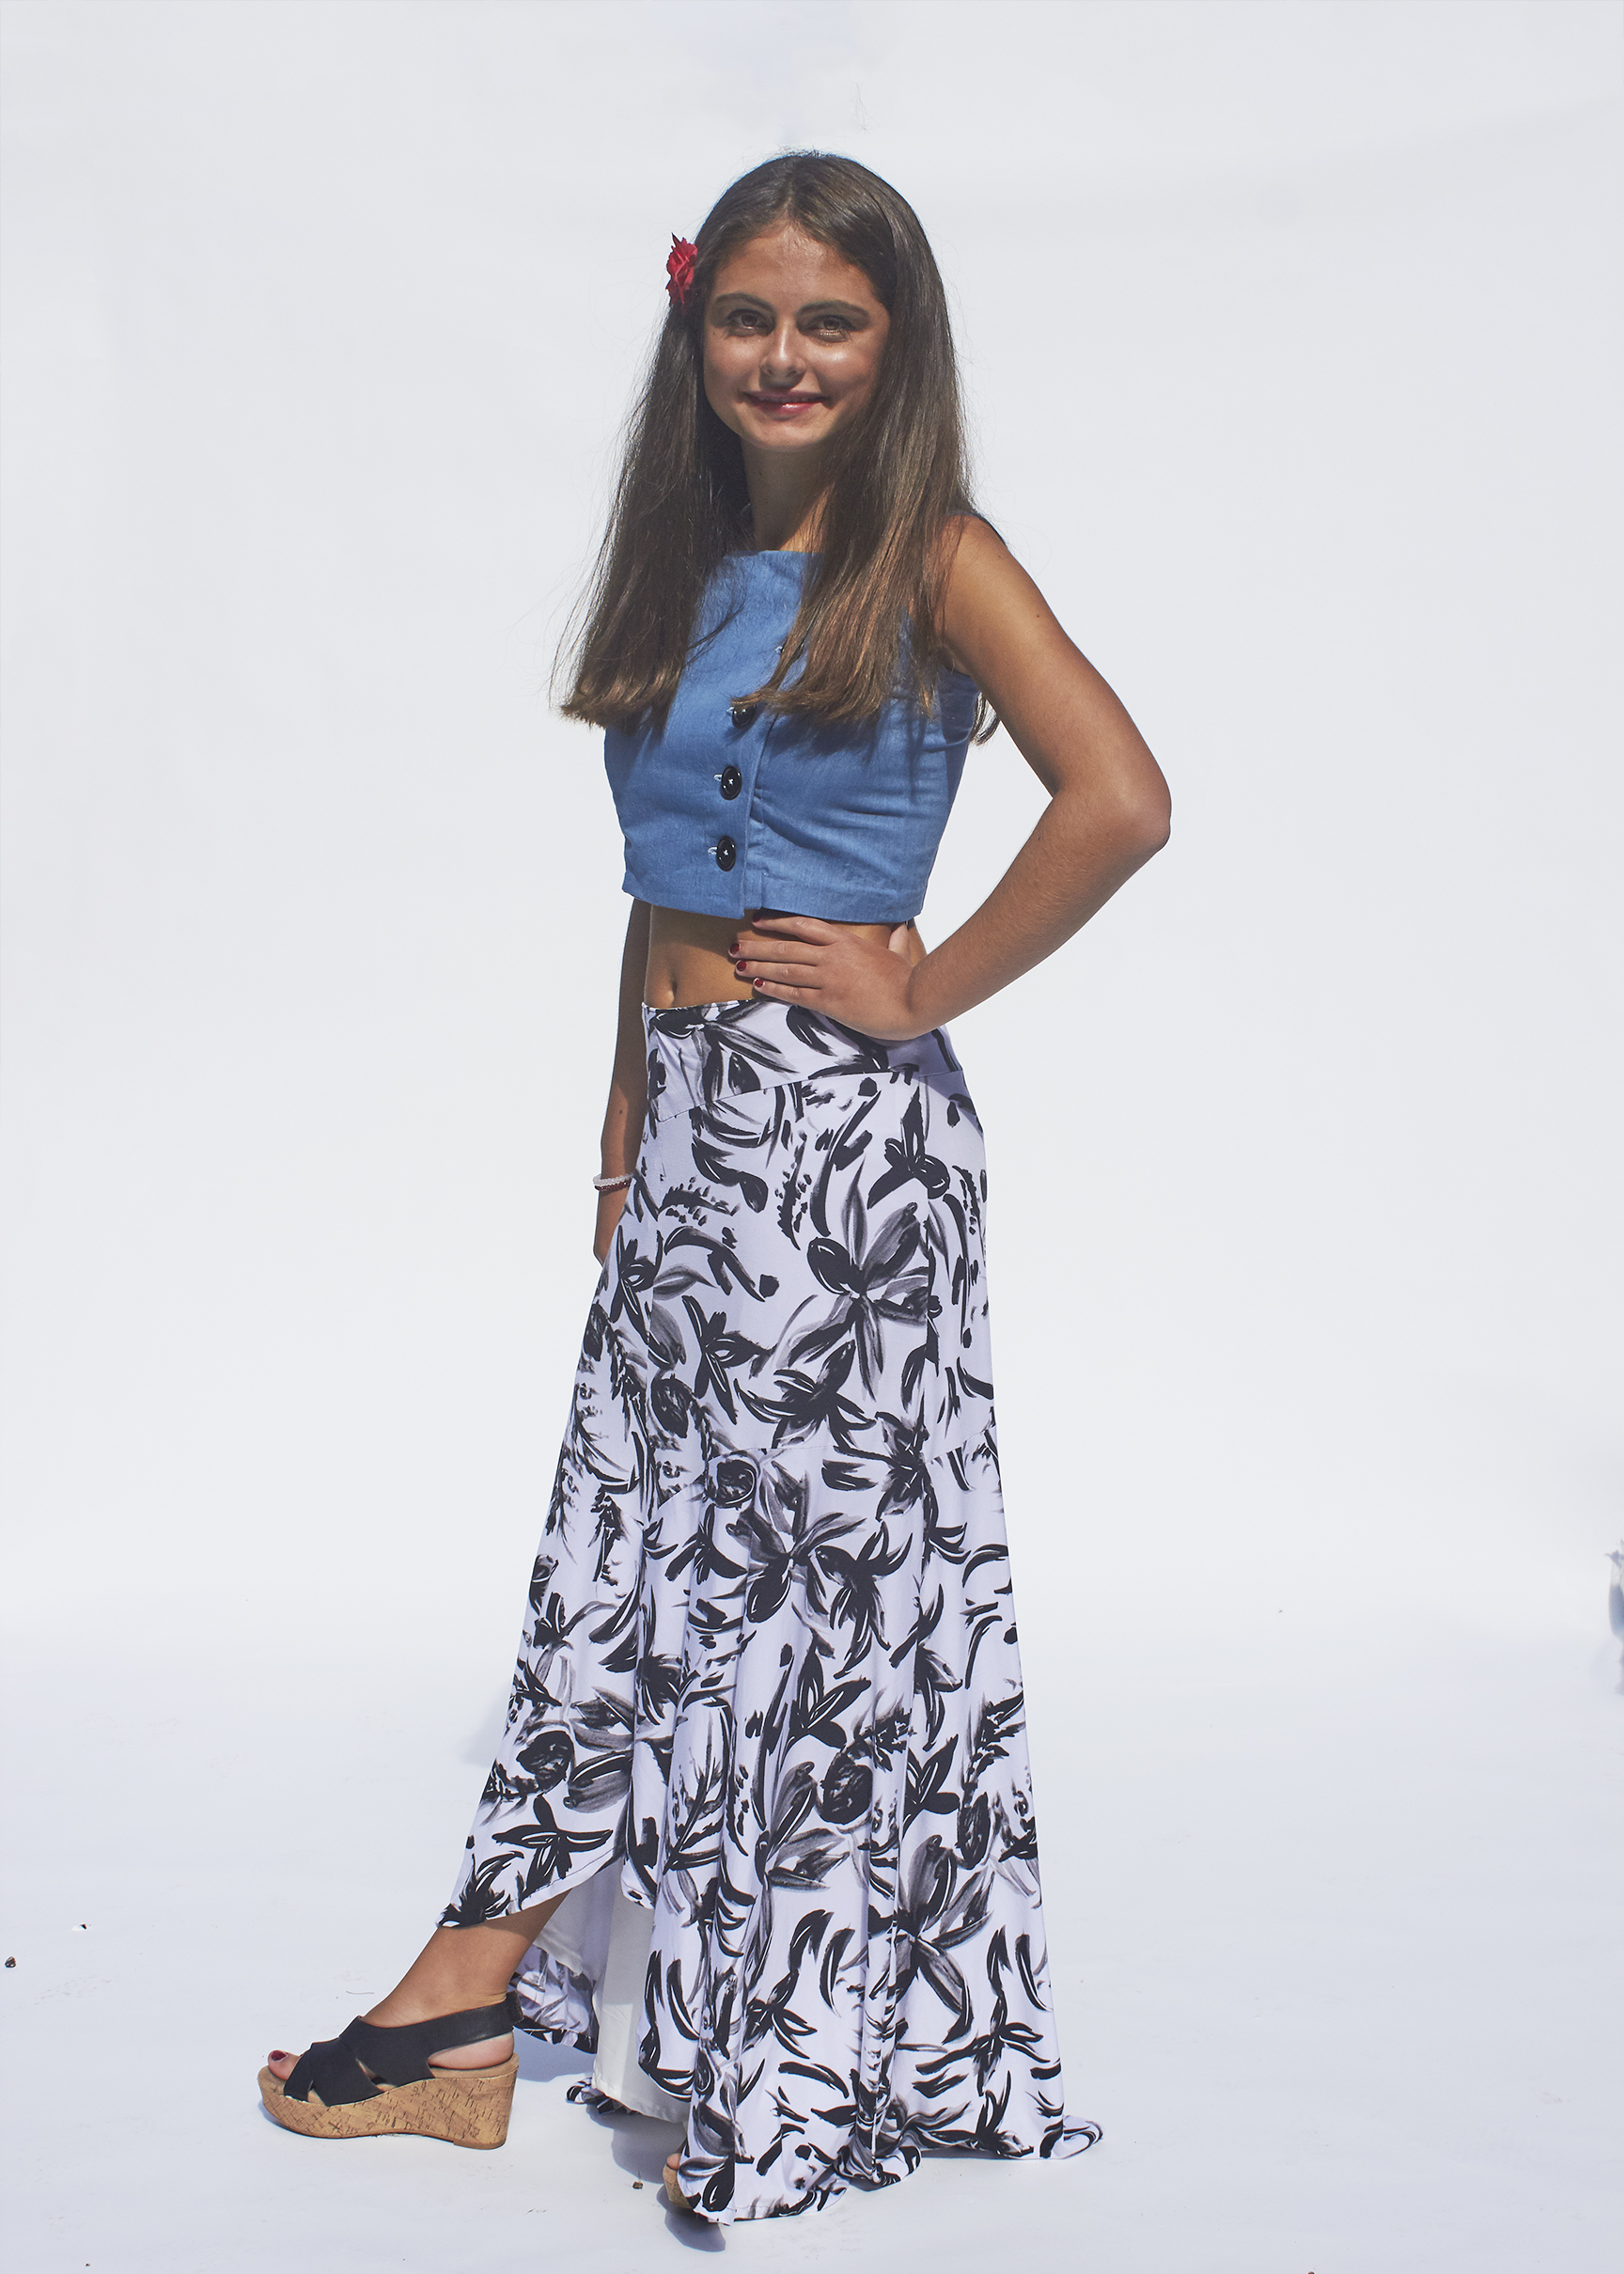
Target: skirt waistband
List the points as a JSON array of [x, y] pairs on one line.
[[768, 1045]]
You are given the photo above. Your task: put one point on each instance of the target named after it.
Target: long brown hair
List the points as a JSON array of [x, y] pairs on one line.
[[892, 486]]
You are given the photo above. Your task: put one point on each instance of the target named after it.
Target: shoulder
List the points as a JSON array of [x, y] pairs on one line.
[[986, 590], [977, 557]]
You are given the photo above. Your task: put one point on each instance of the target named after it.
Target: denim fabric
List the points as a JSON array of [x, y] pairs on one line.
[[837, 822]]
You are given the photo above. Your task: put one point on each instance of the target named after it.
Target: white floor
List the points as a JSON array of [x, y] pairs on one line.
[[1331, 1942]]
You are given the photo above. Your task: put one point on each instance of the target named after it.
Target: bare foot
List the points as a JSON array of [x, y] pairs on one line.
[[458, 1971], [488, 2053]]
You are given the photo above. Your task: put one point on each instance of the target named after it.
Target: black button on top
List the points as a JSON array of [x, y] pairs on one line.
[[726, 852], [731, 780], [742, 714]]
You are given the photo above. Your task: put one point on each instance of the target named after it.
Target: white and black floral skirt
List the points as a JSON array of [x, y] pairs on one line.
[[766, 1730]]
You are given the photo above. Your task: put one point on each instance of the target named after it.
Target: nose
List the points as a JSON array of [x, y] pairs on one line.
[[781, 362]]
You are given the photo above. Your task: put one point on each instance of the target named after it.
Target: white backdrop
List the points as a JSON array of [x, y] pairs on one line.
[[1290, 329]]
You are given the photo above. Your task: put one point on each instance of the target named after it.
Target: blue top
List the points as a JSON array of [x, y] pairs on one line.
[[728, 808]]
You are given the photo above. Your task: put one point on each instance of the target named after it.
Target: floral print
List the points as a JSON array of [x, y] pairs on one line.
[[770, 1674]]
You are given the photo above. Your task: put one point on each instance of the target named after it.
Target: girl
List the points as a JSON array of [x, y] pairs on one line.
[[760, 1831]]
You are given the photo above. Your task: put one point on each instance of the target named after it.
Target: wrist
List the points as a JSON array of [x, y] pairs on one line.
[[615, 1158], [914, 995]]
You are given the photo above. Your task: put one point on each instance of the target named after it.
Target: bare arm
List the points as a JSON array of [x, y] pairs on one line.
[[629, 1081], [1109, 808], [1108, 813]]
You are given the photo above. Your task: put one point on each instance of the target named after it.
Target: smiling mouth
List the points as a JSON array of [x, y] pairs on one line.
[[783, 402]]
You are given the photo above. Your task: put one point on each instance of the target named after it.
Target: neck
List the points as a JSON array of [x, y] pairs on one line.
[[785, 493]]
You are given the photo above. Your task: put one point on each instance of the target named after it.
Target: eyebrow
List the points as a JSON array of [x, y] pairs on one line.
[[812, 307]]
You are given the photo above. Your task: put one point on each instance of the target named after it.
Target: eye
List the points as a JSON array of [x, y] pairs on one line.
[[744, 320]]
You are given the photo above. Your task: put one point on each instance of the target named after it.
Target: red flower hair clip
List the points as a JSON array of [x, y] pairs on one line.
[[680, 266]]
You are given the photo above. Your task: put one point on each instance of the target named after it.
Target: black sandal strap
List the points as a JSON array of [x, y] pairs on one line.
[[342, 2069], [329, 2068]]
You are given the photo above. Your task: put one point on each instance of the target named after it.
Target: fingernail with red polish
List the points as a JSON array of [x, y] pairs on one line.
[[739, 969]]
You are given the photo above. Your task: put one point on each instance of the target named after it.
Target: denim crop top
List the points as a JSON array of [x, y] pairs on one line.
[[729, 807]]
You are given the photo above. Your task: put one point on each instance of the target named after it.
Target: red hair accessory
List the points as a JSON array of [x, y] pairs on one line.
[[679, 267]]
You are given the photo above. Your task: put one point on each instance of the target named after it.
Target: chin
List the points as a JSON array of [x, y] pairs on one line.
[[769, 437]]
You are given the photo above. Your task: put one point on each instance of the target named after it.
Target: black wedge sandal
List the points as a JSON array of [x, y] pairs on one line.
[[369, 2080]]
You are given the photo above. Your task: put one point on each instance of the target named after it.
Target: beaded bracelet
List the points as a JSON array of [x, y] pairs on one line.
[[610, 1184]]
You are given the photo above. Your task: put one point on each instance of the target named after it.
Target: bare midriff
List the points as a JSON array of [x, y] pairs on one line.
[[689, 962]]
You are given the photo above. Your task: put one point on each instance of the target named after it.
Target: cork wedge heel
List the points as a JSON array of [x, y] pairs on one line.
[[369, 2081]]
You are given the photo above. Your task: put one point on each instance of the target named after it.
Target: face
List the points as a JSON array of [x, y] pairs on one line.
[[793, 338]]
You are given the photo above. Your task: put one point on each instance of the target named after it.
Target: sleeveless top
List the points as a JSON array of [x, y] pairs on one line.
[[727, 807]]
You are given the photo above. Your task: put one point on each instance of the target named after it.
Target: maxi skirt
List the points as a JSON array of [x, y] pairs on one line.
[[766, 1733]]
